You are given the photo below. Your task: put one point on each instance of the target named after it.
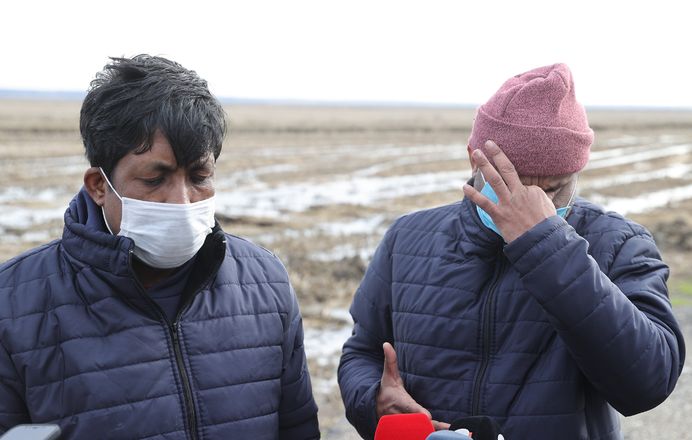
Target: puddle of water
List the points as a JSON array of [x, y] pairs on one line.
[[414, 160], [251, 176], [298, 197], [678, 171], [245, 194], [627, 157], [645, 202]]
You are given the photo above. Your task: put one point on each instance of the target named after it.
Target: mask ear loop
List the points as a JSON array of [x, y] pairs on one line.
[[103, 173], [105, 220], [480, 173], [571, 198]]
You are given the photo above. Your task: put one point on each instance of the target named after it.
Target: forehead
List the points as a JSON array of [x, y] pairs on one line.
[[160, 156], [551, 182]]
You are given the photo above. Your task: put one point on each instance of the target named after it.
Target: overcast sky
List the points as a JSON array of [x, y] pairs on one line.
[[622, 53]]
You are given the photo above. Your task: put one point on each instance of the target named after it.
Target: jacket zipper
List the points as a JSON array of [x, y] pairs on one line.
[[177, 349], [187, 389], [182, 371], [173, 331], [486, 337]]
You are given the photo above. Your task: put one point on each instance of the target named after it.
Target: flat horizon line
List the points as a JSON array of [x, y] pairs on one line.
[[72, 95]]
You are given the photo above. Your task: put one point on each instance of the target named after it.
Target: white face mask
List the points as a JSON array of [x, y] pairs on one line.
[[166, 235]]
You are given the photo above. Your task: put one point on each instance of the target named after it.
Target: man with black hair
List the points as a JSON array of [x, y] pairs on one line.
[[146, 320]]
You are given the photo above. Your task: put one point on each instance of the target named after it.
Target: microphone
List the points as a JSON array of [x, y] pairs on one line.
[[449, 435], [416, 426], [478, 427]]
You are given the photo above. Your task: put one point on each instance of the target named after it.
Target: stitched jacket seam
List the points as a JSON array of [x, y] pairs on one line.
[[44, 311], [100, 370], [99, 336]]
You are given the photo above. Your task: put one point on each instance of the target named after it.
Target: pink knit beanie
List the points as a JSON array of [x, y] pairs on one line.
[[537, 122]]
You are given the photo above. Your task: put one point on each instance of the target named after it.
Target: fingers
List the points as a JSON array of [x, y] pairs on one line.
[[491, 175], [390, 373], [412, 407], [392, 397], [440, 426], [479, 199], [504, 166]]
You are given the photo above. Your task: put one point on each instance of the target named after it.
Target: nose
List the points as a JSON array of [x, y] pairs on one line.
[[179, 192]]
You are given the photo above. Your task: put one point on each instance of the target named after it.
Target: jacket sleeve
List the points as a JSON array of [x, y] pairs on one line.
[[361, 365], [297, 409], [12, 407], [618, 326]]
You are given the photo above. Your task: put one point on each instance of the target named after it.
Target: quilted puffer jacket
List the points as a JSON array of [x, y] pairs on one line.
[[549, 335], [81, 344]]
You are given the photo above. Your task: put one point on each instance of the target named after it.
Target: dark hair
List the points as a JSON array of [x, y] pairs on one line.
[[133, 98]]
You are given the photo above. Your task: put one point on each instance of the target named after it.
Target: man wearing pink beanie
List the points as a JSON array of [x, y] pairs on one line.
[[521, 302], [536, 119]]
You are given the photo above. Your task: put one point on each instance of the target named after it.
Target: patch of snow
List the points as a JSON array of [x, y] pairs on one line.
[[324, 345], [340, 252], [353, 227]]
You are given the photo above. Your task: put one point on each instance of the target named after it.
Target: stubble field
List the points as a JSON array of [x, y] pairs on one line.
[[319, 186]]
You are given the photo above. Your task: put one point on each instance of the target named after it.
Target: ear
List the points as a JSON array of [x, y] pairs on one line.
[[95, 185], [474, 166]]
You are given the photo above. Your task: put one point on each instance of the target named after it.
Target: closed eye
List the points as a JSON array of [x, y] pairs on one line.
[[200, 178], [153, 182]]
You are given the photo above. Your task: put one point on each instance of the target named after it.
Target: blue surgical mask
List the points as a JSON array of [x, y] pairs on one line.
[[489, 192]]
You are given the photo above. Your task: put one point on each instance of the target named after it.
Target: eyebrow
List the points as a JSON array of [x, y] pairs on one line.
[[165, 167], [159, 166], [201, 163]]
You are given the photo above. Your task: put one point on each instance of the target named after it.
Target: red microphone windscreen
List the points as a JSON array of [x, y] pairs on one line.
[[404, 427]]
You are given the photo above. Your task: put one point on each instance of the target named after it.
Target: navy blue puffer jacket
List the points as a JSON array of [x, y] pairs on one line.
[[549, 335], [83, 346]]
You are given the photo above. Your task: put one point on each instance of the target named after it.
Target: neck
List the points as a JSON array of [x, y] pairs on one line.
[[148, 275]]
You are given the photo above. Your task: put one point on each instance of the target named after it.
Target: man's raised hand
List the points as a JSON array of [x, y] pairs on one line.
[[519, 207], [392, 397]]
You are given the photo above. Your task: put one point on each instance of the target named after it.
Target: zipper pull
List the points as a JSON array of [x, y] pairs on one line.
[[174, 331]]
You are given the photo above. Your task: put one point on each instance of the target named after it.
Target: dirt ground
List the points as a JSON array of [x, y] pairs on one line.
[[319, 186]]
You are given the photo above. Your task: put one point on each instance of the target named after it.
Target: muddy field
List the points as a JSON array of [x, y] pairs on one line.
[[319, 186]]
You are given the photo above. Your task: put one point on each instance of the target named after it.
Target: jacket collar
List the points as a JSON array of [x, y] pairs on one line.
[[86, 239], [476, 232], [100, 257]]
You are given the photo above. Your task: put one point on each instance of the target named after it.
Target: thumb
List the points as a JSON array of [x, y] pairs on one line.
[[440, 426], [390, 372]]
